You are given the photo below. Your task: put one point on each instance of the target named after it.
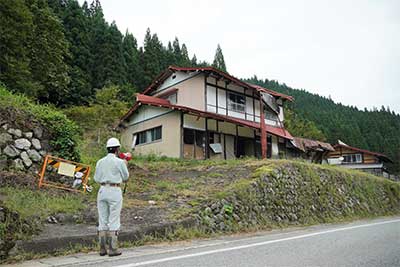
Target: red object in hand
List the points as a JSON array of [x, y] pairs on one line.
[[126, 156]]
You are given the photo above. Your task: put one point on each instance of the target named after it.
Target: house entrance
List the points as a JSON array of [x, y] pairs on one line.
[[245, 147], [230, 146], [193, 144]]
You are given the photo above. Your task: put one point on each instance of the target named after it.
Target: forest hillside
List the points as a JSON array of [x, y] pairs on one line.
[[62, 53]]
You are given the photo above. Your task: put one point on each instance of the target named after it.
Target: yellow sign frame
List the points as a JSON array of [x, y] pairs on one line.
[[55, 163]]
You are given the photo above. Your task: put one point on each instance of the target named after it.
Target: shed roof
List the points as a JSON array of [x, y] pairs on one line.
[[305, 144]]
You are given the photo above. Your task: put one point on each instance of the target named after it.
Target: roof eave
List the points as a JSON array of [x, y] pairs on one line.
[[171, 69]]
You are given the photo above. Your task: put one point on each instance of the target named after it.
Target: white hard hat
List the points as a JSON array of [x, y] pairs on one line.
[[113, 142]]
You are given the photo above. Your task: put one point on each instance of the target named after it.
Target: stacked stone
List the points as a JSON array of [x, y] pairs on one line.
[[297, 194], [21, 150]]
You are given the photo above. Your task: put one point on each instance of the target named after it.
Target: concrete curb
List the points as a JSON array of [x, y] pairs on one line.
[[53, 245]]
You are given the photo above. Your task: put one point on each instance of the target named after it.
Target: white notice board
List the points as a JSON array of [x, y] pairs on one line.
[[66, 169]]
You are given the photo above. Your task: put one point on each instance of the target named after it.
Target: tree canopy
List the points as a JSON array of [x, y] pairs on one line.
[[61, 52], [219, 61]]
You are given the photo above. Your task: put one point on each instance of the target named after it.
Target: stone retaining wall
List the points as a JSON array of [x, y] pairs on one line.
[[299, 193], [22, 148]]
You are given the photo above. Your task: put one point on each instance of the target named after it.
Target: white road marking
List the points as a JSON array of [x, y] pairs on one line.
[[143, 263]]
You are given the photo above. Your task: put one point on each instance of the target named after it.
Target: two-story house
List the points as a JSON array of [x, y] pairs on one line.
[[202, 112]]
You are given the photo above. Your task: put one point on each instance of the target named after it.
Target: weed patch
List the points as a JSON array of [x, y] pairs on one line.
[[40, 204]]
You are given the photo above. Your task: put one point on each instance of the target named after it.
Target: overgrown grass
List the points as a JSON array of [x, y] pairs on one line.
[[156, 162], [40, 204]]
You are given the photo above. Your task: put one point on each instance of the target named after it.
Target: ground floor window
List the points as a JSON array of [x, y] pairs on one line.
[[148, 136]]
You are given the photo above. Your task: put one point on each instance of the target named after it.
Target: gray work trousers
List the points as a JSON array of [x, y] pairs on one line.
[[109, 205]]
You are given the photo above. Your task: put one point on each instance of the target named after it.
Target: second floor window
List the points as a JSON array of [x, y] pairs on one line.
[[270, 115], [236, 102]]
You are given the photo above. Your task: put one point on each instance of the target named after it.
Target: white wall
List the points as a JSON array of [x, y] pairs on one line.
[[146, 113], [170, 142], [179, 77]]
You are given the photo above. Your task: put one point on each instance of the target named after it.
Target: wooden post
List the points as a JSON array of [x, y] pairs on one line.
[[224, 146], [207, 141], [237, 142], [181, 139], [43, 170], [255, 144], [263, 130]]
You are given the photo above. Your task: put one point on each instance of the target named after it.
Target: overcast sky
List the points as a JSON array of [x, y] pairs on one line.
[[349, 50]]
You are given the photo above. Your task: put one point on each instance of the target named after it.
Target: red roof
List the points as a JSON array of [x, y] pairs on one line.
[[154, 101], [379, 155], [164, 75]]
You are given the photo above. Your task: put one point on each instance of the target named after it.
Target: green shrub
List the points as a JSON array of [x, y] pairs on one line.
[[97, 121], [64, 132]]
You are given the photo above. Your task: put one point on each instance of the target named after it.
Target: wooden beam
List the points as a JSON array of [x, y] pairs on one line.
[[181, 130], [255, 143], [224, 147], [205, 92], [263, 130], [207, 141], [226, 99], [237, 142]]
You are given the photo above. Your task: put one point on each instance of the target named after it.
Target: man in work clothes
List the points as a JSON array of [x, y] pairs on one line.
[[111, 171]]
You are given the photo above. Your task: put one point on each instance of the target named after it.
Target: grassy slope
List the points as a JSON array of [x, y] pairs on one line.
[[181, 188], [247, 194]]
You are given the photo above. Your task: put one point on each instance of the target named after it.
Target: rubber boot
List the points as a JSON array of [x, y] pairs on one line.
[[102, 241], [113, 244]]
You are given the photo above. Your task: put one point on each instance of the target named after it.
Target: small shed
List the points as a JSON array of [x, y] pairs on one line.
[[313, 150]]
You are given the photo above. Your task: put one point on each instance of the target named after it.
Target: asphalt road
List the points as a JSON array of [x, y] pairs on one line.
[[361, 243]]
